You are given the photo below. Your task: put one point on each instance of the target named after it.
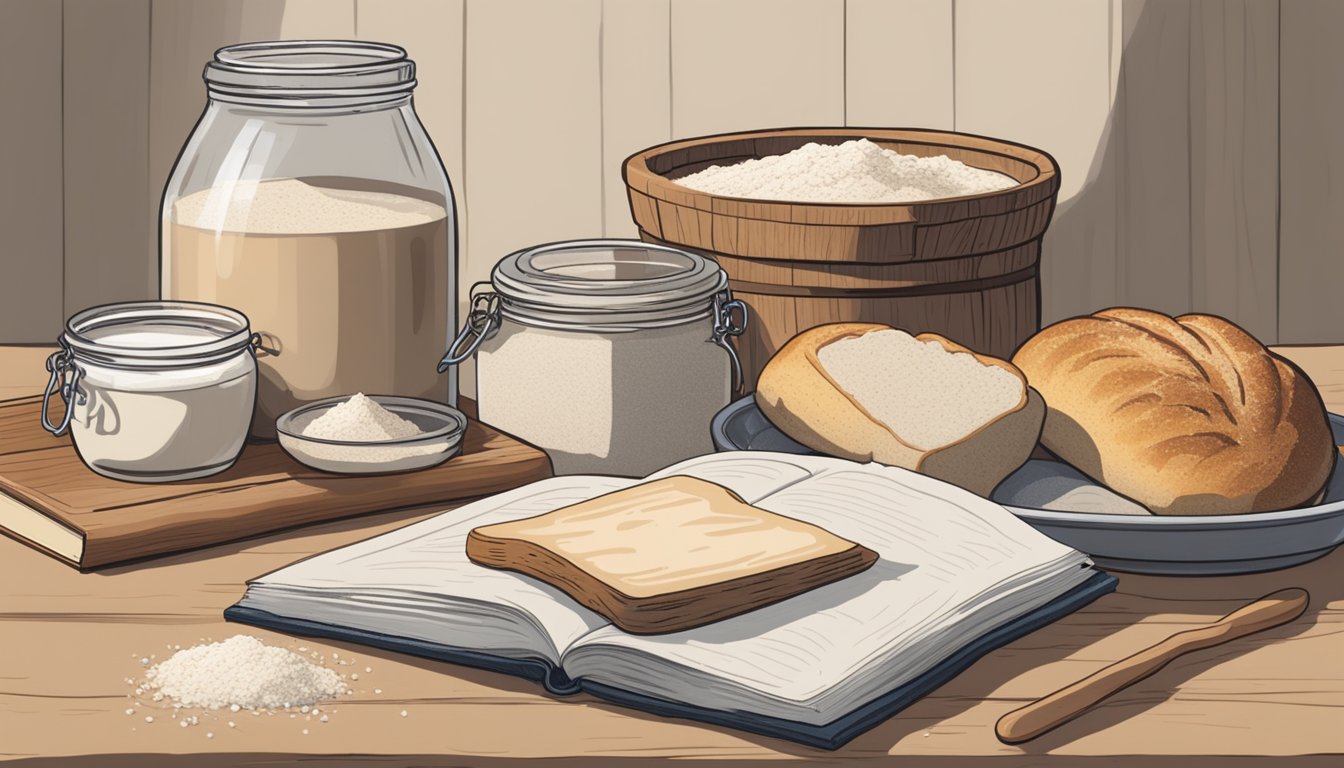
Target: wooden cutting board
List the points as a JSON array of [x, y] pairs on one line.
[[50, 500]]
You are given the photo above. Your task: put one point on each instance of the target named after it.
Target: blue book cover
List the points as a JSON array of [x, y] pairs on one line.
[[832, 735]]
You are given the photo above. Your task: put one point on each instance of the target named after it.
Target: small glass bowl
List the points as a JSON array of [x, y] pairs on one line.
[[443, 428]]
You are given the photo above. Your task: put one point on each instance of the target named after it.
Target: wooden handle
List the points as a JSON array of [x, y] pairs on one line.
[[1067, 703]]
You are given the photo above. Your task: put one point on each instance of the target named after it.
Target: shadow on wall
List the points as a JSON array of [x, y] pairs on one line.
[[1125, 238]]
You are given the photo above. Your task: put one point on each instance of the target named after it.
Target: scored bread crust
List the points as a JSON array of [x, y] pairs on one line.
[[1187, 416], [796, 394]]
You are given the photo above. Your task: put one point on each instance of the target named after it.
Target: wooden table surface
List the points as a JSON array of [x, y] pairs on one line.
[[69, 642]]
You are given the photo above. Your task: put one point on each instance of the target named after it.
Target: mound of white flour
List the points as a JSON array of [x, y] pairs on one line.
[[360, 419], [242, 672], [856, 171]]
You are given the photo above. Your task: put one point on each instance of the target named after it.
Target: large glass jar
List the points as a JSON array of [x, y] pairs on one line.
[[310, 198]]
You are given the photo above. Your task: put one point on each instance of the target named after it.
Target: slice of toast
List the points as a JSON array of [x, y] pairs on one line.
[[670, 554]]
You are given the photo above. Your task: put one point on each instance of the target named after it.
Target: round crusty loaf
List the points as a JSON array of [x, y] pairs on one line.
[[802, 397], [1187, 416]]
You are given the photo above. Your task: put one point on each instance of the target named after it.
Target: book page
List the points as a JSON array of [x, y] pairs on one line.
[[417, 581], [952, 566], [752, 475]]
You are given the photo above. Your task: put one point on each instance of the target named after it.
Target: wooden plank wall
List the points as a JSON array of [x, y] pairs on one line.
[[1014, 90], [1311, 149], [32, 216], [1197, 137]]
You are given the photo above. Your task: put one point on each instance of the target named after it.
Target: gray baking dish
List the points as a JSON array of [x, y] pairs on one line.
[[1052, 497]]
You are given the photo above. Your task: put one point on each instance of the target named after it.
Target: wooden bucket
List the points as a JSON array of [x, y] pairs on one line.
[[964, 267]]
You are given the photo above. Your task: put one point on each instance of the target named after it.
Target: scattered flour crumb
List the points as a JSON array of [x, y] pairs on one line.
[[857, 171], [241, 672]]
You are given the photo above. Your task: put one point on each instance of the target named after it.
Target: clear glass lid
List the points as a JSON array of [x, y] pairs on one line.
[[309, 69], [151, 333], [597, 281]]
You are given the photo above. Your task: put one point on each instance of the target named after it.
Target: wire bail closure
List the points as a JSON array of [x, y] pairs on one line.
[[65, 376], [727, 324], [482, 323]]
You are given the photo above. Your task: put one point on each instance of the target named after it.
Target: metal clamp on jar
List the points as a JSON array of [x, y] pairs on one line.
[[155, 391], [611, 355]]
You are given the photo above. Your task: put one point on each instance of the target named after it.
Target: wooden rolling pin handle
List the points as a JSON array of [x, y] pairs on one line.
[[1067, 703]]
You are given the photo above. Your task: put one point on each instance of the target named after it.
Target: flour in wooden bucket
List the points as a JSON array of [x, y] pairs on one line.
[[857, 171]]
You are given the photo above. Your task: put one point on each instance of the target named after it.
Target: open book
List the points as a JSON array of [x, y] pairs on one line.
[[957, 576]]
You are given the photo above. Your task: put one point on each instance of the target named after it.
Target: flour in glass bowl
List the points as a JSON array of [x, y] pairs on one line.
[[856, 171], [362, 420]]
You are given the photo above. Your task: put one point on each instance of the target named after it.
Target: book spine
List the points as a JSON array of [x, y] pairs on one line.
[[558, 682], [552, 678]]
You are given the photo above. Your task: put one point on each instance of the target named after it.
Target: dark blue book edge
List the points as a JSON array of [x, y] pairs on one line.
[[832, 735]]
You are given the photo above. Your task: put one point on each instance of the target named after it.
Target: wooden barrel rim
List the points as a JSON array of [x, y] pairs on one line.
[[639, 176]]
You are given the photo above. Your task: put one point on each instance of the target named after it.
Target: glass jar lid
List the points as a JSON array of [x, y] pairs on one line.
[[606, 282], [347, 72], [157, 334]]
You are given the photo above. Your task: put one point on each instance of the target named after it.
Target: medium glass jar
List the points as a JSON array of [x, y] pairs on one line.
[[155, 391], [611, 355], [310, 198]]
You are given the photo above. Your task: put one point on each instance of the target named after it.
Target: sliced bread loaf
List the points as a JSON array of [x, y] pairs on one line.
[[871, 392]]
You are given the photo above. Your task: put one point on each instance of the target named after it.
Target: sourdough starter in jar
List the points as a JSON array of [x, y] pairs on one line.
[[343, 279], [165, 389], [610, 355]]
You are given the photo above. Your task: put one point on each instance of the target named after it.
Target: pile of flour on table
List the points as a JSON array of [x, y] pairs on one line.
[[237, 675], [857, 171], [242, 673]]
